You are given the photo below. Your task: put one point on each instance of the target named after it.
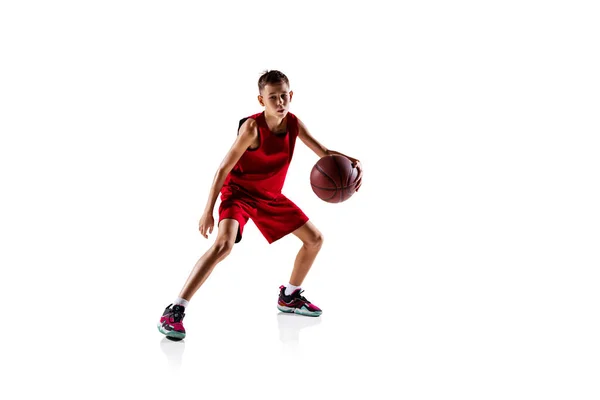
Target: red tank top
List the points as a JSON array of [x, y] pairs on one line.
[[262, 171]]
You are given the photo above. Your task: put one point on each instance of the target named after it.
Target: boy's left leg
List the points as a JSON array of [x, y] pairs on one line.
[[312, 240], [276, 219], [294, 302]]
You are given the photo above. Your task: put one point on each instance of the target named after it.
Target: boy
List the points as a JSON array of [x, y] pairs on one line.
[[250, 179]]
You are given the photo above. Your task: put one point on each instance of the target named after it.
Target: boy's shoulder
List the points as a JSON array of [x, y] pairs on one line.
[[251, 120], [250, 123]]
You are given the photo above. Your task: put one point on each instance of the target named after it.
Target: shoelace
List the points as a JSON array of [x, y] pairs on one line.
[[302, 297], [176, 315], [299, 296]]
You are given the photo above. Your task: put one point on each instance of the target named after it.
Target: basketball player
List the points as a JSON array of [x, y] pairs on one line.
[[250, 179]]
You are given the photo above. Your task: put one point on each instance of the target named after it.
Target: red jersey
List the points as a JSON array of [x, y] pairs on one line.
[[262, 171]]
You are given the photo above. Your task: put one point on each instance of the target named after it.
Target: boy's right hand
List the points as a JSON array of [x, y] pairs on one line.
[[207, 222]]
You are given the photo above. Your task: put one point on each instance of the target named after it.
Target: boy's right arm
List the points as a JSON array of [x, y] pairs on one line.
[[247, 135]]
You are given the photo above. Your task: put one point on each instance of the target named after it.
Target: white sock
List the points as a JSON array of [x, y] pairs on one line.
[[181, 302], [289, 289]]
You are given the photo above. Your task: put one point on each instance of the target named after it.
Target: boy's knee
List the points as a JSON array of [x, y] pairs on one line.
[[315, 241], [223, 247]]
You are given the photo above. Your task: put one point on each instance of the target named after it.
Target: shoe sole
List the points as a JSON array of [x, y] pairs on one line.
[[298, 311], [171, 335]]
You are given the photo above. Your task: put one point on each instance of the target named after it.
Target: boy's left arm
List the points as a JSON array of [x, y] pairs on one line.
[[323, 151]]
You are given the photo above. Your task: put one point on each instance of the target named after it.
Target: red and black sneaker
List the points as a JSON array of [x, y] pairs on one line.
[[296, 303], [171, 324]]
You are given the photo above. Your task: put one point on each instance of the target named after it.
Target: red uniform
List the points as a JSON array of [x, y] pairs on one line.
[[253, 187]]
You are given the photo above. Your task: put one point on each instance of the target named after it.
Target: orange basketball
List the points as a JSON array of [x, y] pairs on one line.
[[333, 178]]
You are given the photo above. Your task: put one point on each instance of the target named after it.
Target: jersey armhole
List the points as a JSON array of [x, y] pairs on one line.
[[257, 131]]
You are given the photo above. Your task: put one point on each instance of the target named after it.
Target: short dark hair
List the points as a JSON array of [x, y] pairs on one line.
[[270, 78]]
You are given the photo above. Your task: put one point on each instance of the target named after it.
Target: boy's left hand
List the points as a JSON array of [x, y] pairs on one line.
[[356, 164]]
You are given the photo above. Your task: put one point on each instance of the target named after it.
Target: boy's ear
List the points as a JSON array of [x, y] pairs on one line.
[[291, 94], [260, 100]]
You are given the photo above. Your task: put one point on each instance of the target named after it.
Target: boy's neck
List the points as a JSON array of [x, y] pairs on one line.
[[274, 123]]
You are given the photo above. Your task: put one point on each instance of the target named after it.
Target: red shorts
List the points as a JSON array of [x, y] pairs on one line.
[[274, 218]]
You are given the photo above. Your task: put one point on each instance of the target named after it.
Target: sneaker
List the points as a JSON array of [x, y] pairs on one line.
[[170, 323], [296, 303]]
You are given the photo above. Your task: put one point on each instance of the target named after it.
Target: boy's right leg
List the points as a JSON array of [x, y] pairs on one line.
[[171, 323], [224, 242]]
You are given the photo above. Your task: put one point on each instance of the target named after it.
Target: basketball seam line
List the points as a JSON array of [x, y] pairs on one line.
[[328, 177], [326, 188], [322, 188], [328, 198], [324, 173], [339, 174]]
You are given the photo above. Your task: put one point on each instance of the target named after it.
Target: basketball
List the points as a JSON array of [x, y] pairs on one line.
[[333, 178]]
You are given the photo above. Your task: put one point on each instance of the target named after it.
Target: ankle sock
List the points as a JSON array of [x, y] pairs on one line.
[[180, 301], [289, 289]]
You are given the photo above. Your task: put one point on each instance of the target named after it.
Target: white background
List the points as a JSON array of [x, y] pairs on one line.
[[466, 267]]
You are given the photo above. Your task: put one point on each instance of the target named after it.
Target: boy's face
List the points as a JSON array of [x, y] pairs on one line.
[[276, 99]]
